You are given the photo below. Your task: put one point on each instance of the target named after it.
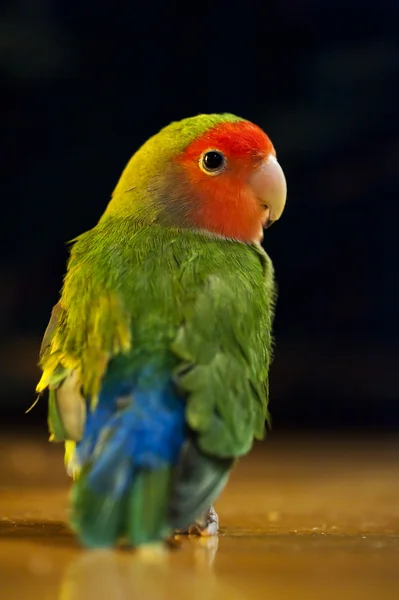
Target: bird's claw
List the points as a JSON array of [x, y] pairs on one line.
[[207, 526]]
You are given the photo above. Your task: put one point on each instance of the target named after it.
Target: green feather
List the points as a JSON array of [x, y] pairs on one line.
[[55, 425], [147, 517], [140, 516], [208, 311], [97, 519]]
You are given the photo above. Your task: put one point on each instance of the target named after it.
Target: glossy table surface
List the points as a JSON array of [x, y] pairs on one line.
[[302, 517]]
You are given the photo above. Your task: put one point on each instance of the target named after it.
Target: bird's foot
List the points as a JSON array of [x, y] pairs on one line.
[[207, 525]]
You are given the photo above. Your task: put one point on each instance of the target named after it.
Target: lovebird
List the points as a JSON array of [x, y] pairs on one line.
[[157, 355]]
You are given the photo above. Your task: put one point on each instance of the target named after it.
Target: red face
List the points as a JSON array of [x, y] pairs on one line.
[[223, 168]]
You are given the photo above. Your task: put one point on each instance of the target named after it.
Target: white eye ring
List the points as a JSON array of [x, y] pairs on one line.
[[212, 162]]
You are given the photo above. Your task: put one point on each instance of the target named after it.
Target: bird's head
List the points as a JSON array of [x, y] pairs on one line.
[[217, 173]]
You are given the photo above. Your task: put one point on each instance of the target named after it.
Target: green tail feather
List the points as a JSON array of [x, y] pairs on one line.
[[97, 519], [147, 518], [140, 515]]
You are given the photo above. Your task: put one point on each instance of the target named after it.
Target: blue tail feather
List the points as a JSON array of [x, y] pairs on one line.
[[132, 431]]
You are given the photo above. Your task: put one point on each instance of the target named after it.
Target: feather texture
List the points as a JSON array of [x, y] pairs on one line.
[[178, 296]]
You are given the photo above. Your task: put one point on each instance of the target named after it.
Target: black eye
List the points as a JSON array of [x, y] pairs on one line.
[[213, 160]]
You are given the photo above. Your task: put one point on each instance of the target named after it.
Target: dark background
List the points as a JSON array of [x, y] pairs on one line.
[[85, 83]]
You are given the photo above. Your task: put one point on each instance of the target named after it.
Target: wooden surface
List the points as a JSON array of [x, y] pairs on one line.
[[301, 518]]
